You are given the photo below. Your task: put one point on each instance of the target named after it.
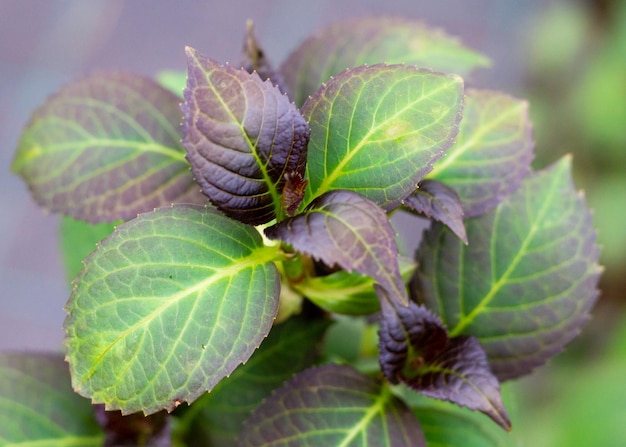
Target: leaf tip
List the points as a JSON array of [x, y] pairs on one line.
[[190, 52]]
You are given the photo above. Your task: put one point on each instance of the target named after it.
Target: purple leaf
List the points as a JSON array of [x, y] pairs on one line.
[[492, 152], [289, 348], [526, 281], [439, 202], [345, 229], [105, 148], [415, 350], [243, 137], [335, 406], [373, 40]]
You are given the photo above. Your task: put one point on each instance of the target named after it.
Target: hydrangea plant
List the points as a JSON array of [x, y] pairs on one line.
[[253, 271]]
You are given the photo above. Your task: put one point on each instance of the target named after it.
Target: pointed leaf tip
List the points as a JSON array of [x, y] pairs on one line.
[[242, 137], [415, 350], [439, 202]]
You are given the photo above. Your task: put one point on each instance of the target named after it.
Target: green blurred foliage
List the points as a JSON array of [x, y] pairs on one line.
[[577, 91], [78, 239], [574, 403]]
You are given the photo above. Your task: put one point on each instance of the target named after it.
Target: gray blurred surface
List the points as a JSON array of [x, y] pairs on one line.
[[47, 43]]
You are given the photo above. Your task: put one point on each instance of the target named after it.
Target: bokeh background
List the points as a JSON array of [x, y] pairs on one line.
[[568, 57]]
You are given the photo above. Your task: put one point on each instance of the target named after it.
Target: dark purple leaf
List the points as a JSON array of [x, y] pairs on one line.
[[289, 348], [492, 152], [526, 281], [415, 350], [373, 40], [332, 405], [439, 202], [345, 229], [243, 136], [105, 148]]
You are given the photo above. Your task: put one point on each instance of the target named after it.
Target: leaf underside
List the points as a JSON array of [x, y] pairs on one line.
[[106, 147], [439, 202], [445, 425], [332, 405], [415, 350], [243, 136], [378, 129], [345, 229], [38, 405], [167, 306], [526, 281], [368, 41], [492, 152]]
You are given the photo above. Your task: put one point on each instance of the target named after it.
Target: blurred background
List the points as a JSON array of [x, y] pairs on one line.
[[567, 57]]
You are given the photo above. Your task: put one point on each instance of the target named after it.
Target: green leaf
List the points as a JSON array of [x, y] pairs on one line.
[[345, 229], [492, 152], [372, 40], [290, 347], [243, 137], [378, 129], [167, 306], [78, 239], [106, 148], [38, 406], [448, 425], [445, 427], [173, 80], [336, 406], [526, 281], [347, 293]]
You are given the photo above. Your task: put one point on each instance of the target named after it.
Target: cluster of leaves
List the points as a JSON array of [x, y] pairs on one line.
[[301, 180]]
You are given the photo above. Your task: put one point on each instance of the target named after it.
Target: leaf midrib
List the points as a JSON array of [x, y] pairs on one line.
[[255, 258], [271, 186], [466, 320], [375, 409], [337, 171]]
